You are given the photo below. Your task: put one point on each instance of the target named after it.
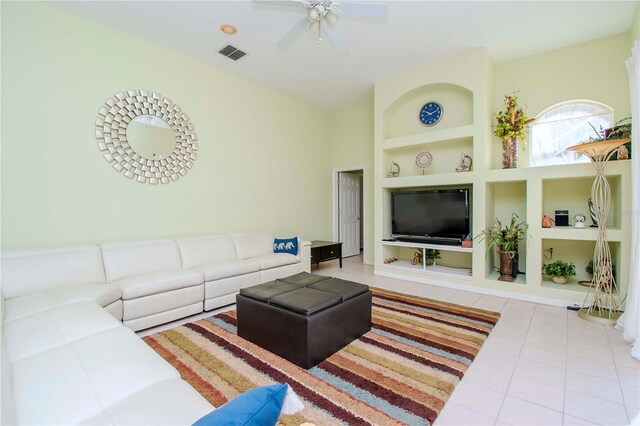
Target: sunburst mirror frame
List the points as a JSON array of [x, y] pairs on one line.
[[111, 131]]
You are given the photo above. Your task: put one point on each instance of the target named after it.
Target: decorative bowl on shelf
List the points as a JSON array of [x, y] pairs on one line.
[[424, 160]]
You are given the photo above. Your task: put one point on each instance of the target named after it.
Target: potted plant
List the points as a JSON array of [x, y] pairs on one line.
[[511, 125], [506, 240], [621, 130], [559, 271], [589, 268], [432, 256]]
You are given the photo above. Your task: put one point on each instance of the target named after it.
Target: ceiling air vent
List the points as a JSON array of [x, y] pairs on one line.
[[232, 52]]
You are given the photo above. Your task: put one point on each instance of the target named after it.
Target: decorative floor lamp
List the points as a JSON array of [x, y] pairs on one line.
[[606, 307]]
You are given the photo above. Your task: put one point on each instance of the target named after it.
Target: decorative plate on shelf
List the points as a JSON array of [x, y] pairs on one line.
[[430, 113], [424, 159]]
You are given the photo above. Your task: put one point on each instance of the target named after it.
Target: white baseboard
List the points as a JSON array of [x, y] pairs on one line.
[[474, 289]]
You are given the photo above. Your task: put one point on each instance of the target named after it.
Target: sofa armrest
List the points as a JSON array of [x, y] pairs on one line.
[[304, 254]]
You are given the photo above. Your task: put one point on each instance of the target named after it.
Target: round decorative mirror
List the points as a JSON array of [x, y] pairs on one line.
[[151, 137], [146, 136]]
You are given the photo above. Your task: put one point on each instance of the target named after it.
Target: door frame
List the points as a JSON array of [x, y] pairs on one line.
[[336, 221]]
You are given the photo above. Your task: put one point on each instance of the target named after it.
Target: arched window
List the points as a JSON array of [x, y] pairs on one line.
[[563, 125]]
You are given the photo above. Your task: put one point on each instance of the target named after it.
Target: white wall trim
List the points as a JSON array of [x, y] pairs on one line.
[[334, 211]]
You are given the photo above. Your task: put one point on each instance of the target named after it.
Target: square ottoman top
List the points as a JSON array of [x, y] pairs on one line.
[[345, 289], [306, 301], [303, 278], [265, 292]]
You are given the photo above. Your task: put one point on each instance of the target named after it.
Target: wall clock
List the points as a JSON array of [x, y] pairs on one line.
[[431, 113]]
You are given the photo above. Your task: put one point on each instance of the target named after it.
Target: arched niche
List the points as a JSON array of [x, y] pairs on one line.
[[401, 117]]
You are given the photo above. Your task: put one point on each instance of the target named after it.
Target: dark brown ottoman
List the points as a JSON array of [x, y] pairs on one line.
[[304, 318]]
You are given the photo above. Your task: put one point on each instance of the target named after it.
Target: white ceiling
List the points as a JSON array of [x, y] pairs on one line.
[[415, 32]]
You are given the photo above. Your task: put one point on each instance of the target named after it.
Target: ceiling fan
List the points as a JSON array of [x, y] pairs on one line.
[[322, 17]]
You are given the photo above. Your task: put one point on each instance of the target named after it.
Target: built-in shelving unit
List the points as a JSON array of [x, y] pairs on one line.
[[462, 85], [457, 266]]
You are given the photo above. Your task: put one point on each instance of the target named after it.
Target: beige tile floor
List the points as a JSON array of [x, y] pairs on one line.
[[541, 365]]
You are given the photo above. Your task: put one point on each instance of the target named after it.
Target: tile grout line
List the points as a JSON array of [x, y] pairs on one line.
[[514, 367], [615, 366], [566, 362]]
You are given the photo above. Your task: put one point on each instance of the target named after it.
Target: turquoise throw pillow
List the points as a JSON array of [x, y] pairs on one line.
[[286, 245], [259, 406]]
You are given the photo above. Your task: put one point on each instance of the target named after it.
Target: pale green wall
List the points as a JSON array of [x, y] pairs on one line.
[[263, 156], [635, 27], [352, 146], [592, 70]]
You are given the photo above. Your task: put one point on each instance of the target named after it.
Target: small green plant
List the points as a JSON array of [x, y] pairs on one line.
[[559, 268], [432, 256], [589, 267], [504, 238]]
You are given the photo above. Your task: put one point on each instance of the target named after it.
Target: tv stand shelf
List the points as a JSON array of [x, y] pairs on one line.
[[441, 247], [461, 273]]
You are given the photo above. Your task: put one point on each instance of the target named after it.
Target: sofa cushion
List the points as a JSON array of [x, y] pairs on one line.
[[26, 271], [7, 416], [100, 294], [119, 364], [123, 260], [165, 301], [172, 402], [252, 245], [274, 260], [286, 245], [258, 406], [32, 334], [206, 250], [51, 387], [158, 282], [217, 271]]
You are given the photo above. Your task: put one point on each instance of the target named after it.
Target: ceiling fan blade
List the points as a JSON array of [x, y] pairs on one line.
[[363, 10], [285, 3], [337, 38], [295, 32]]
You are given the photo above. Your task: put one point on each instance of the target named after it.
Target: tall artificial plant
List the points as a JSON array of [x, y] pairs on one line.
[[510, 126], [511, 123]]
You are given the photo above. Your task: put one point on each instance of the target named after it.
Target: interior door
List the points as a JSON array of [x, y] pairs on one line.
[[349, 213]]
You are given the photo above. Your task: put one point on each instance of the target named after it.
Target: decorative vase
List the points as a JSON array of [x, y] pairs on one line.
[[559, 280], [506, 266], [510, 153]]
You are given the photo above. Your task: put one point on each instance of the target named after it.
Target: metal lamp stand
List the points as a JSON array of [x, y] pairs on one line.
[[606, 306]]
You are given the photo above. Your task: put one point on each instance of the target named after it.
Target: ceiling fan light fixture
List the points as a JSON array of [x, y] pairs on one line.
[[228, 29], [314, 14], [315, 31], [331, 18]]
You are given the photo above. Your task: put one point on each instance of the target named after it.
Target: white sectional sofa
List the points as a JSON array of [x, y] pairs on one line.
[[66, 357]]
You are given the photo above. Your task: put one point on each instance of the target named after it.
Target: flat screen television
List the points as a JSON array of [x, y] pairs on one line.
[[430, 216]]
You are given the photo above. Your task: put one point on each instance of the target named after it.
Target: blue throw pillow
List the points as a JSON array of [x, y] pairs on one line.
[[259, 406], [286, 245]]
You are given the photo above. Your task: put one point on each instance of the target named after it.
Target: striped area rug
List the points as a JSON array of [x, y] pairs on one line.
[[401, 372]]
